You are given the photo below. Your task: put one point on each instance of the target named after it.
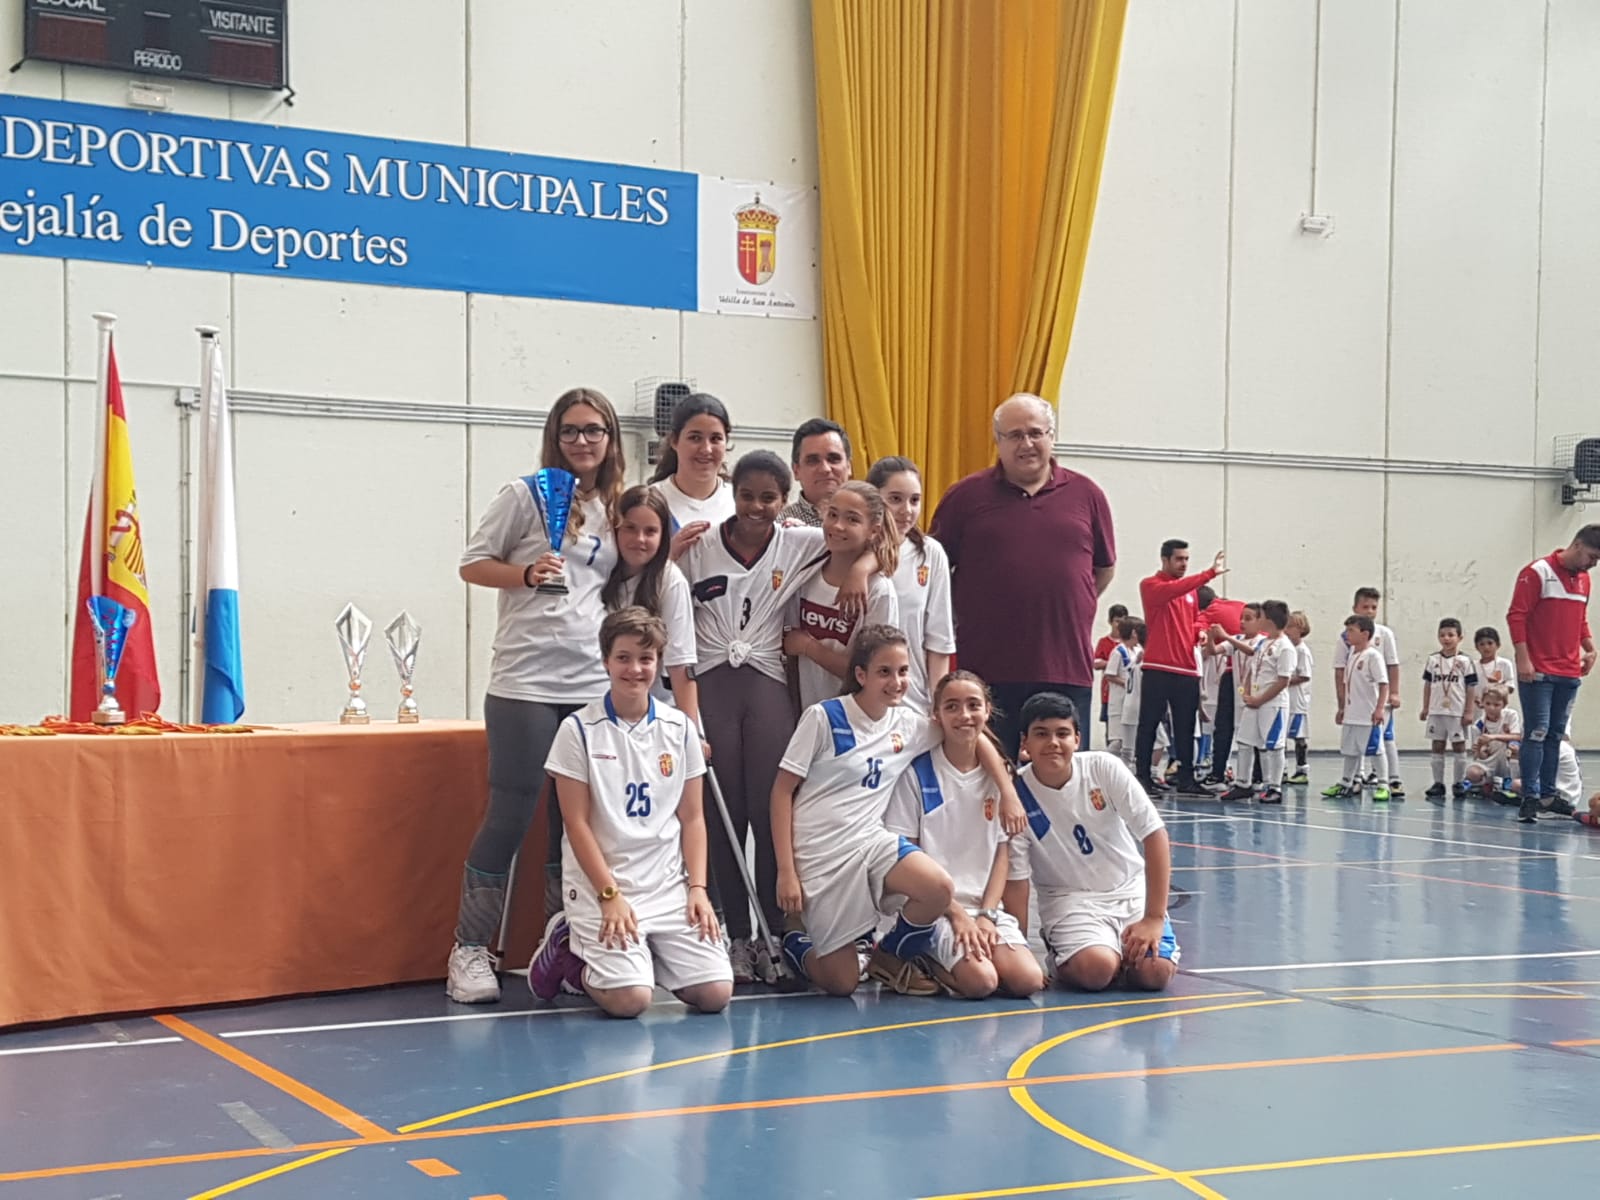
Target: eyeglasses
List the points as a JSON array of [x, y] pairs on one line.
[[1017, 436], [589, 433]]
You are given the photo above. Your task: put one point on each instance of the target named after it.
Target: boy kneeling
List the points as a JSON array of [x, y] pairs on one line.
[[1102, 904], [633, 858]]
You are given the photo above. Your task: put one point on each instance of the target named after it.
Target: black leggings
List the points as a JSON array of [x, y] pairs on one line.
[[1160, 692], [1222, 734]]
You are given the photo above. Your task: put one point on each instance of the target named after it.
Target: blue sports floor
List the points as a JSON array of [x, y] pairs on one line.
[[1372, 1004]]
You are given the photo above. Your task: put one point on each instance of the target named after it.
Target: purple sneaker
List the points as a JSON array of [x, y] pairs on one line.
[[553, 963]]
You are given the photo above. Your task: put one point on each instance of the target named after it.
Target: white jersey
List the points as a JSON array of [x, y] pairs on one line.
[[1500, 673], [1364, 675], [815, 610], [739, 606], [1451, 679], [1382, 641], [1273, 660], [1509, 725], [849, 765], [1300, 693], [1130, 709], [677, 614], [953, 815], [1243, 674], [546, 645], [922, 590], [1087, 836], [686, 510], [1121, 665], [635, 775], [1569, 779]]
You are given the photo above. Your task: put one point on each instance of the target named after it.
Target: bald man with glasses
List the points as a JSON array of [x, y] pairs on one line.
[[1031, 549]]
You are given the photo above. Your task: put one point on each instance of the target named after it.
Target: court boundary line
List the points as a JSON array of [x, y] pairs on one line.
[[1389, 962]]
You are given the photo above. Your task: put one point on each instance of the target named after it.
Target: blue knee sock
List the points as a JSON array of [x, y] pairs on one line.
[[796, 946], [907, 940]]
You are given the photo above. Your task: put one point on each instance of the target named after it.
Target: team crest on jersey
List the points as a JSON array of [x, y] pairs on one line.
[[1098, 799], [922, 575], [896, 742], [777, 579], [666, 765], [988, 808]]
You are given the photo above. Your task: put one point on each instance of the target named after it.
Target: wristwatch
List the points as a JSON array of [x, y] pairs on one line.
[[992, 913], [609, 892]]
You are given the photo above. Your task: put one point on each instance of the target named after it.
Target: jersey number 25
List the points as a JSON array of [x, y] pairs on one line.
[[639, 800]]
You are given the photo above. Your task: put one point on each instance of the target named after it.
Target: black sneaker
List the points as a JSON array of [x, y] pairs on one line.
[[1193, 787], [1397, 790], [1561, 808], [1271, 796], [1237, 795], [1436, 792], [1528, 810]]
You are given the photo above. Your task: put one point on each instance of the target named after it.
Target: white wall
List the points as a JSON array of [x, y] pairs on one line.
[[1449, 319], [1274, 389], [372, 510]]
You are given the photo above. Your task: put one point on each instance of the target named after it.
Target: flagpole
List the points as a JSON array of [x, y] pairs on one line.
[[97, 503], [208, 423]]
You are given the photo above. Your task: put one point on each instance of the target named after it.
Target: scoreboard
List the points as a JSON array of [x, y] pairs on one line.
[[222, 41]]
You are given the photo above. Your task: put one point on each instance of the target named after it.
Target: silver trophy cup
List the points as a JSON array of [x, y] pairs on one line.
[[403, 635], [355, 631]]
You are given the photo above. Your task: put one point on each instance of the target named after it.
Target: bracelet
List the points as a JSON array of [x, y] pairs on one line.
[[526, 582], [701, 886]]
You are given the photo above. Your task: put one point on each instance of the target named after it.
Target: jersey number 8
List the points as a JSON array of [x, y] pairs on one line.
[[1081, 836], [639, 800]]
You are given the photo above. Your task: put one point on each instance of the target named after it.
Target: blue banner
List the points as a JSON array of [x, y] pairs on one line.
[[85, 181]]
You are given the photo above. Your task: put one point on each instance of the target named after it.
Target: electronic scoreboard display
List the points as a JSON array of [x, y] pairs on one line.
[[222, 41]]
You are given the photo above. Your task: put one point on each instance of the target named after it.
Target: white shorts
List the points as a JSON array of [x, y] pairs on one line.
[[1298, 725], [1264, 728], [1074, 921], [844, 894], [670, 952], [1357, 741], [1447, 729], [1498, 765], [948, 953]]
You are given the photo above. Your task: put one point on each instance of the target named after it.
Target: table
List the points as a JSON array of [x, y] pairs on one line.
[[155, 872]]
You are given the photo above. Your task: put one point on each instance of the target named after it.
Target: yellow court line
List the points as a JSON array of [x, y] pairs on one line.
[[271, 1173], [1020, 1094], [307, 1095], [1076, 1185], [809, 1040], [1463, 996]]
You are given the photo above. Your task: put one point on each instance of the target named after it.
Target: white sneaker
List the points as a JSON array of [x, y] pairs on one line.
[[742, 958], [472, 978], [766, 969]]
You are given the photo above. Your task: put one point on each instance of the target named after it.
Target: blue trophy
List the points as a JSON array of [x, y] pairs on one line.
[[111, 623], [552, 490]]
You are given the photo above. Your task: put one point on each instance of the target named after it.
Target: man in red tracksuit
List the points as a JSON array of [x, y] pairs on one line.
[[1549, 622], [1171, 675]]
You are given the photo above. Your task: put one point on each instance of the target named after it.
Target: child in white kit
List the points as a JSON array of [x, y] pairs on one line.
[[1494, 669], [1299, 631], [1130, 708], [1449, 682], [1121, 663], [1363, 705], [1497, 736], [1264, 725]]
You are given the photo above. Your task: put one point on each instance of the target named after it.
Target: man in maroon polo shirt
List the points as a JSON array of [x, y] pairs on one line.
[[1031, 548], [1171, 674], [1549, 622]]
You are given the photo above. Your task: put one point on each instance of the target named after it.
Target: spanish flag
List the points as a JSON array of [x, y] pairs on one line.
[[114, 565]]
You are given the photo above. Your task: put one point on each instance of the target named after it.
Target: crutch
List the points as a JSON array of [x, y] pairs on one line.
[[774, 954]]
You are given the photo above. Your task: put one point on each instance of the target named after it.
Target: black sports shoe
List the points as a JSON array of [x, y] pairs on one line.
[[1436, 792], [1237, 794], [1397, 790], [1561, 808], [1272, 796], [1528, 811], [1193, 787]]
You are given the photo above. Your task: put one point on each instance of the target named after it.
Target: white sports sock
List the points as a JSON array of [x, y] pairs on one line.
[[1352, 770], [1272, 768], [1458, 766], [1241, 765], [1391, 751], [1436, 760]]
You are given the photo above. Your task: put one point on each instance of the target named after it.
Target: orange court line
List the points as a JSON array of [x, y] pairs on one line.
[[328, 1107], [432, 1167], [1479, 883], [497, 1196], [979, 1085], [1578, 1042]]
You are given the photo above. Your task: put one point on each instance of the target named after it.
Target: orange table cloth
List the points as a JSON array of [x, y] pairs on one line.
[[154, 872]]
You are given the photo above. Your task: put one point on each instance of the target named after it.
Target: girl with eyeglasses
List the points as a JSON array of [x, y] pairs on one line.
[[546, 663]]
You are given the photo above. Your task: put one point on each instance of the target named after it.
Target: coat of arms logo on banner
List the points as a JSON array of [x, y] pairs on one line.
[[757, 241]]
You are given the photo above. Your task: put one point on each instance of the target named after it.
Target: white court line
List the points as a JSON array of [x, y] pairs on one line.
[[1390, 962], [156, 1041], [1410, 837], [1375, 862]]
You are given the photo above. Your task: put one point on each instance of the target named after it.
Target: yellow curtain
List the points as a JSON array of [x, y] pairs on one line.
[[960, 144]]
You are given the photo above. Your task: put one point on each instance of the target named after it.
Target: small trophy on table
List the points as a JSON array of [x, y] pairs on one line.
[[403, 635], [552, 496], [111, 623], [355, 631]]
